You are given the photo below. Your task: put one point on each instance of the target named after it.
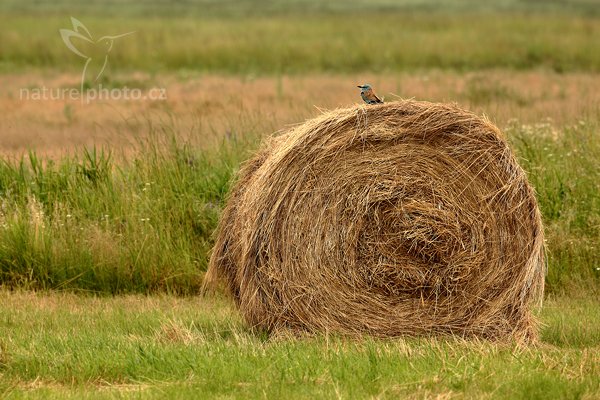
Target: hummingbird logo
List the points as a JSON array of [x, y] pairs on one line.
[[95, 52]]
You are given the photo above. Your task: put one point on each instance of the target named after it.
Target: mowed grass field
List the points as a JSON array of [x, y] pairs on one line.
[[107, 209], [57, 345]]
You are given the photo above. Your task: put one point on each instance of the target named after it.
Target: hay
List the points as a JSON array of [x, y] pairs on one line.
[[403, 218]]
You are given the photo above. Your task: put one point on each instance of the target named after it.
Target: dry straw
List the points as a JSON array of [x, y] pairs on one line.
[[405, 218]]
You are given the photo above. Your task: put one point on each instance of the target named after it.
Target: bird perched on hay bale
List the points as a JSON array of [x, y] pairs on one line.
[[368, 95], [410, 218]]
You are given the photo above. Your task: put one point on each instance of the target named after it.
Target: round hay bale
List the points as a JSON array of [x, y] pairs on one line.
[[403, 218]]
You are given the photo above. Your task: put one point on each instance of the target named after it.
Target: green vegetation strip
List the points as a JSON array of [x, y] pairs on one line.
[[370, 41], [68, 346], [144, 225], [86, 223]]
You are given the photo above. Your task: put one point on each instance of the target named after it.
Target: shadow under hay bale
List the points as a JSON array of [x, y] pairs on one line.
[[405, 218]]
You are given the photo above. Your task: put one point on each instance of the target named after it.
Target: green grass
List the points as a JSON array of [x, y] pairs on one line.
[[237, 8], [66, 346], [86, 223], [144, 225], [564, 168], [371, 41]]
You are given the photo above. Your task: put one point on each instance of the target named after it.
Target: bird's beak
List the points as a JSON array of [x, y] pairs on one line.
[[359, 86], [120, 36]]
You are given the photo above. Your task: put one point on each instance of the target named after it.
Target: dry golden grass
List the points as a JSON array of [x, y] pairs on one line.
[[403, 218], [207, 107]]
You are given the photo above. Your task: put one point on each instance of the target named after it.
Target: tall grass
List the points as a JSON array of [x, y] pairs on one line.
[[254, 8], [144, 225], [371, 42], [564, 167], [87, 223]]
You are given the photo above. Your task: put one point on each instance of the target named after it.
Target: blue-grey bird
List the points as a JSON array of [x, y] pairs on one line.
[[368, 95]]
